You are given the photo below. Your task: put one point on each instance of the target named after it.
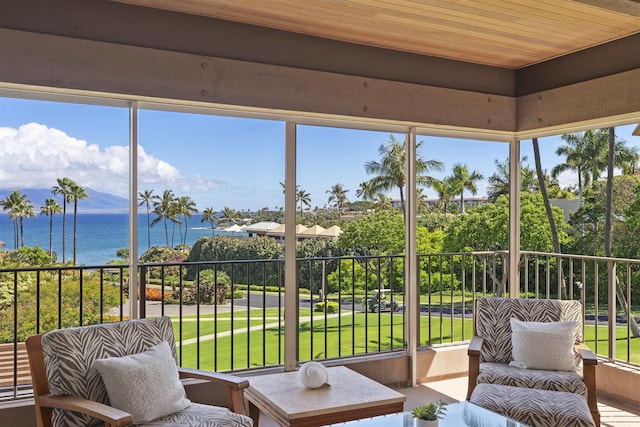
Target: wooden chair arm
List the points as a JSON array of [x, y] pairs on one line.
[[475, 346], [589, 364], [588, 358], [233, 384], [111, 416], [231, 381]]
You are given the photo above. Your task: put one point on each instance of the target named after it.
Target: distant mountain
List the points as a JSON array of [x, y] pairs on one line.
[[97, 202]]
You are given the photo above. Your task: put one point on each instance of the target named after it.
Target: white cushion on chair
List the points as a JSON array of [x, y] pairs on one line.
[[543, 345], [146, 385]]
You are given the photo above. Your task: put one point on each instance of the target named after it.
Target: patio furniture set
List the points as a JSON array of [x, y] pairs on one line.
[[125, 373]]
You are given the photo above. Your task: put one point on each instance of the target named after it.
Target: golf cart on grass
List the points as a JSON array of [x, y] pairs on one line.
[[380, 302]]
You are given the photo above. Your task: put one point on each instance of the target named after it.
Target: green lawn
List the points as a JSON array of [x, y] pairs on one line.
[[350, 334], [622, 344]]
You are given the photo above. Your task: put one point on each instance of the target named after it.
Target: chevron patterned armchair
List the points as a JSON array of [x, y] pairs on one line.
[[528, 360], [121, 374]]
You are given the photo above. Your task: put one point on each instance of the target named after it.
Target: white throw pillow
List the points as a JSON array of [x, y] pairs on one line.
[[146, 385], [543, 345]]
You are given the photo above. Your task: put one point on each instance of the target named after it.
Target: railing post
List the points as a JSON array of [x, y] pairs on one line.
[[611, 267], [142, 285]]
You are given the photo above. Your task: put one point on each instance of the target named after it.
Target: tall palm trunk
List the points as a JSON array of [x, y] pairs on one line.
[[166, 231], [404, 211], [64, 229], [21, 232], [148, 227], [16, 234], [51, 235], [184, 240], [608, 232], [75, 230], [547, 207]]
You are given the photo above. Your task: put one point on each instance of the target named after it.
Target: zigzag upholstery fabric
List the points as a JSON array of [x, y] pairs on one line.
[[69, 355], [500, 373], [532, 396], [493, 315], [197, 415], [536, 408]]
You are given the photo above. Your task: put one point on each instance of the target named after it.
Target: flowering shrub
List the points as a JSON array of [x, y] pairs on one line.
[[155, 294], [332, 307]]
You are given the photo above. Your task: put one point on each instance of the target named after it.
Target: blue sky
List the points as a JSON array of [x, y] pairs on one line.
[[217, 161]]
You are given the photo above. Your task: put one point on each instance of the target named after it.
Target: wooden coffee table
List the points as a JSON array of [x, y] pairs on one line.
[[349, 396]]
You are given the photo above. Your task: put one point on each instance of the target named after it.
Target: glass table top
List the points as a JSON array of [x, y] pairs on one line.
[[458, 414]]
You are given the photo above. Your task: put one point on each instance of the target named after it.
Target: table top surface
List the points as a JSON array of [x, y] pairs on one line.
[[346, 390], [458, 414]]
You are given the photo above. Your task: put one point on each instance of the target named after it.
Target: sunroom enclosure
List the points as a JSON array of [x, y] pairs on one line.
[[79, 51]]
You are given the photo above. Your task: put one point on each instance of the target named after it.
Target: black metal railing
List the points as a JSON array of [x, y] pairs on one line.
[[229, 315]]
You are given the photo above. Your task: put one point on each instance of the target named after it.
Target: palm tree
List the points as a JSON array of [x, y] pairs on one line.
[[63, 188], [338, 196], [11, 204], [499, 180], [50, 208], [186, 207], [18, 208], [26, 210], [462, 180], [229, 216], [163, 208], [421, 201], [382, 203], [212, 216], [446, 191], [365, 191], [146, 198], [586, 154], [390, 170], [629, 160], [76, 193], [304, 198]]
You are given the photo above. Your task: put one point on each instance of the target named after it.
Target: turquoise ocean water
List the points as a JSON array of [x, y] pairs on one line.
[[99, 235]]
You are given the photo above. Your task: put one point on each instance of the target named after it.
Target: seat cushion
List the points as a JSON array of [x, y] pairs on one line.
[[503, 374], [198, 415], [69, 356], [533, 407]]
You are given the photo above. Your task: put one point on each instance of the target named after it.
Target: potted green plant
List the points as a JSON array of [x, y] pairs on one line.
[[427, 415]]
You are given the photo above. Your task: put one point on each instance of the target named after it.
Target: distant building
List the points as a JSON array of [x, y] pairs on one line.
[[260, 228], [469, 202], [277, 231], [568, 206]]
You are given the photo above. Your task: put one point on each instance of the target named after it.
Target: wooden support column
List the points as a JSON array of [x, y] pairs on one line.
[[514, 218], [133, 211], [412, 302], [290, 276]]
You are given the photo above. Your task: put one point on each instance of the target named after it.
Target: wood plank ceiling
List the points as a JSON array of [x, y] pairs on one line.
[[503, 33]]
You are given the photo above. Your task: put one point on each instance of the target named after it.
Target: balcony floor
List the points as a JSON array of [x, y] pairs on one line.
[[613, 413]]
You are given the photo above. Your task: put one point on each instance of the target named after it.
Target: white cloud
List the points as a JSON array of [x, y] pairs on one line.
[[34, 156]]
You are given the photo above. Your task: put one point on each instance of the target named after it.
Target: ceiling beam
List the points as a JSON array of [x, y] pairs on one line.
[[137, 72]]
